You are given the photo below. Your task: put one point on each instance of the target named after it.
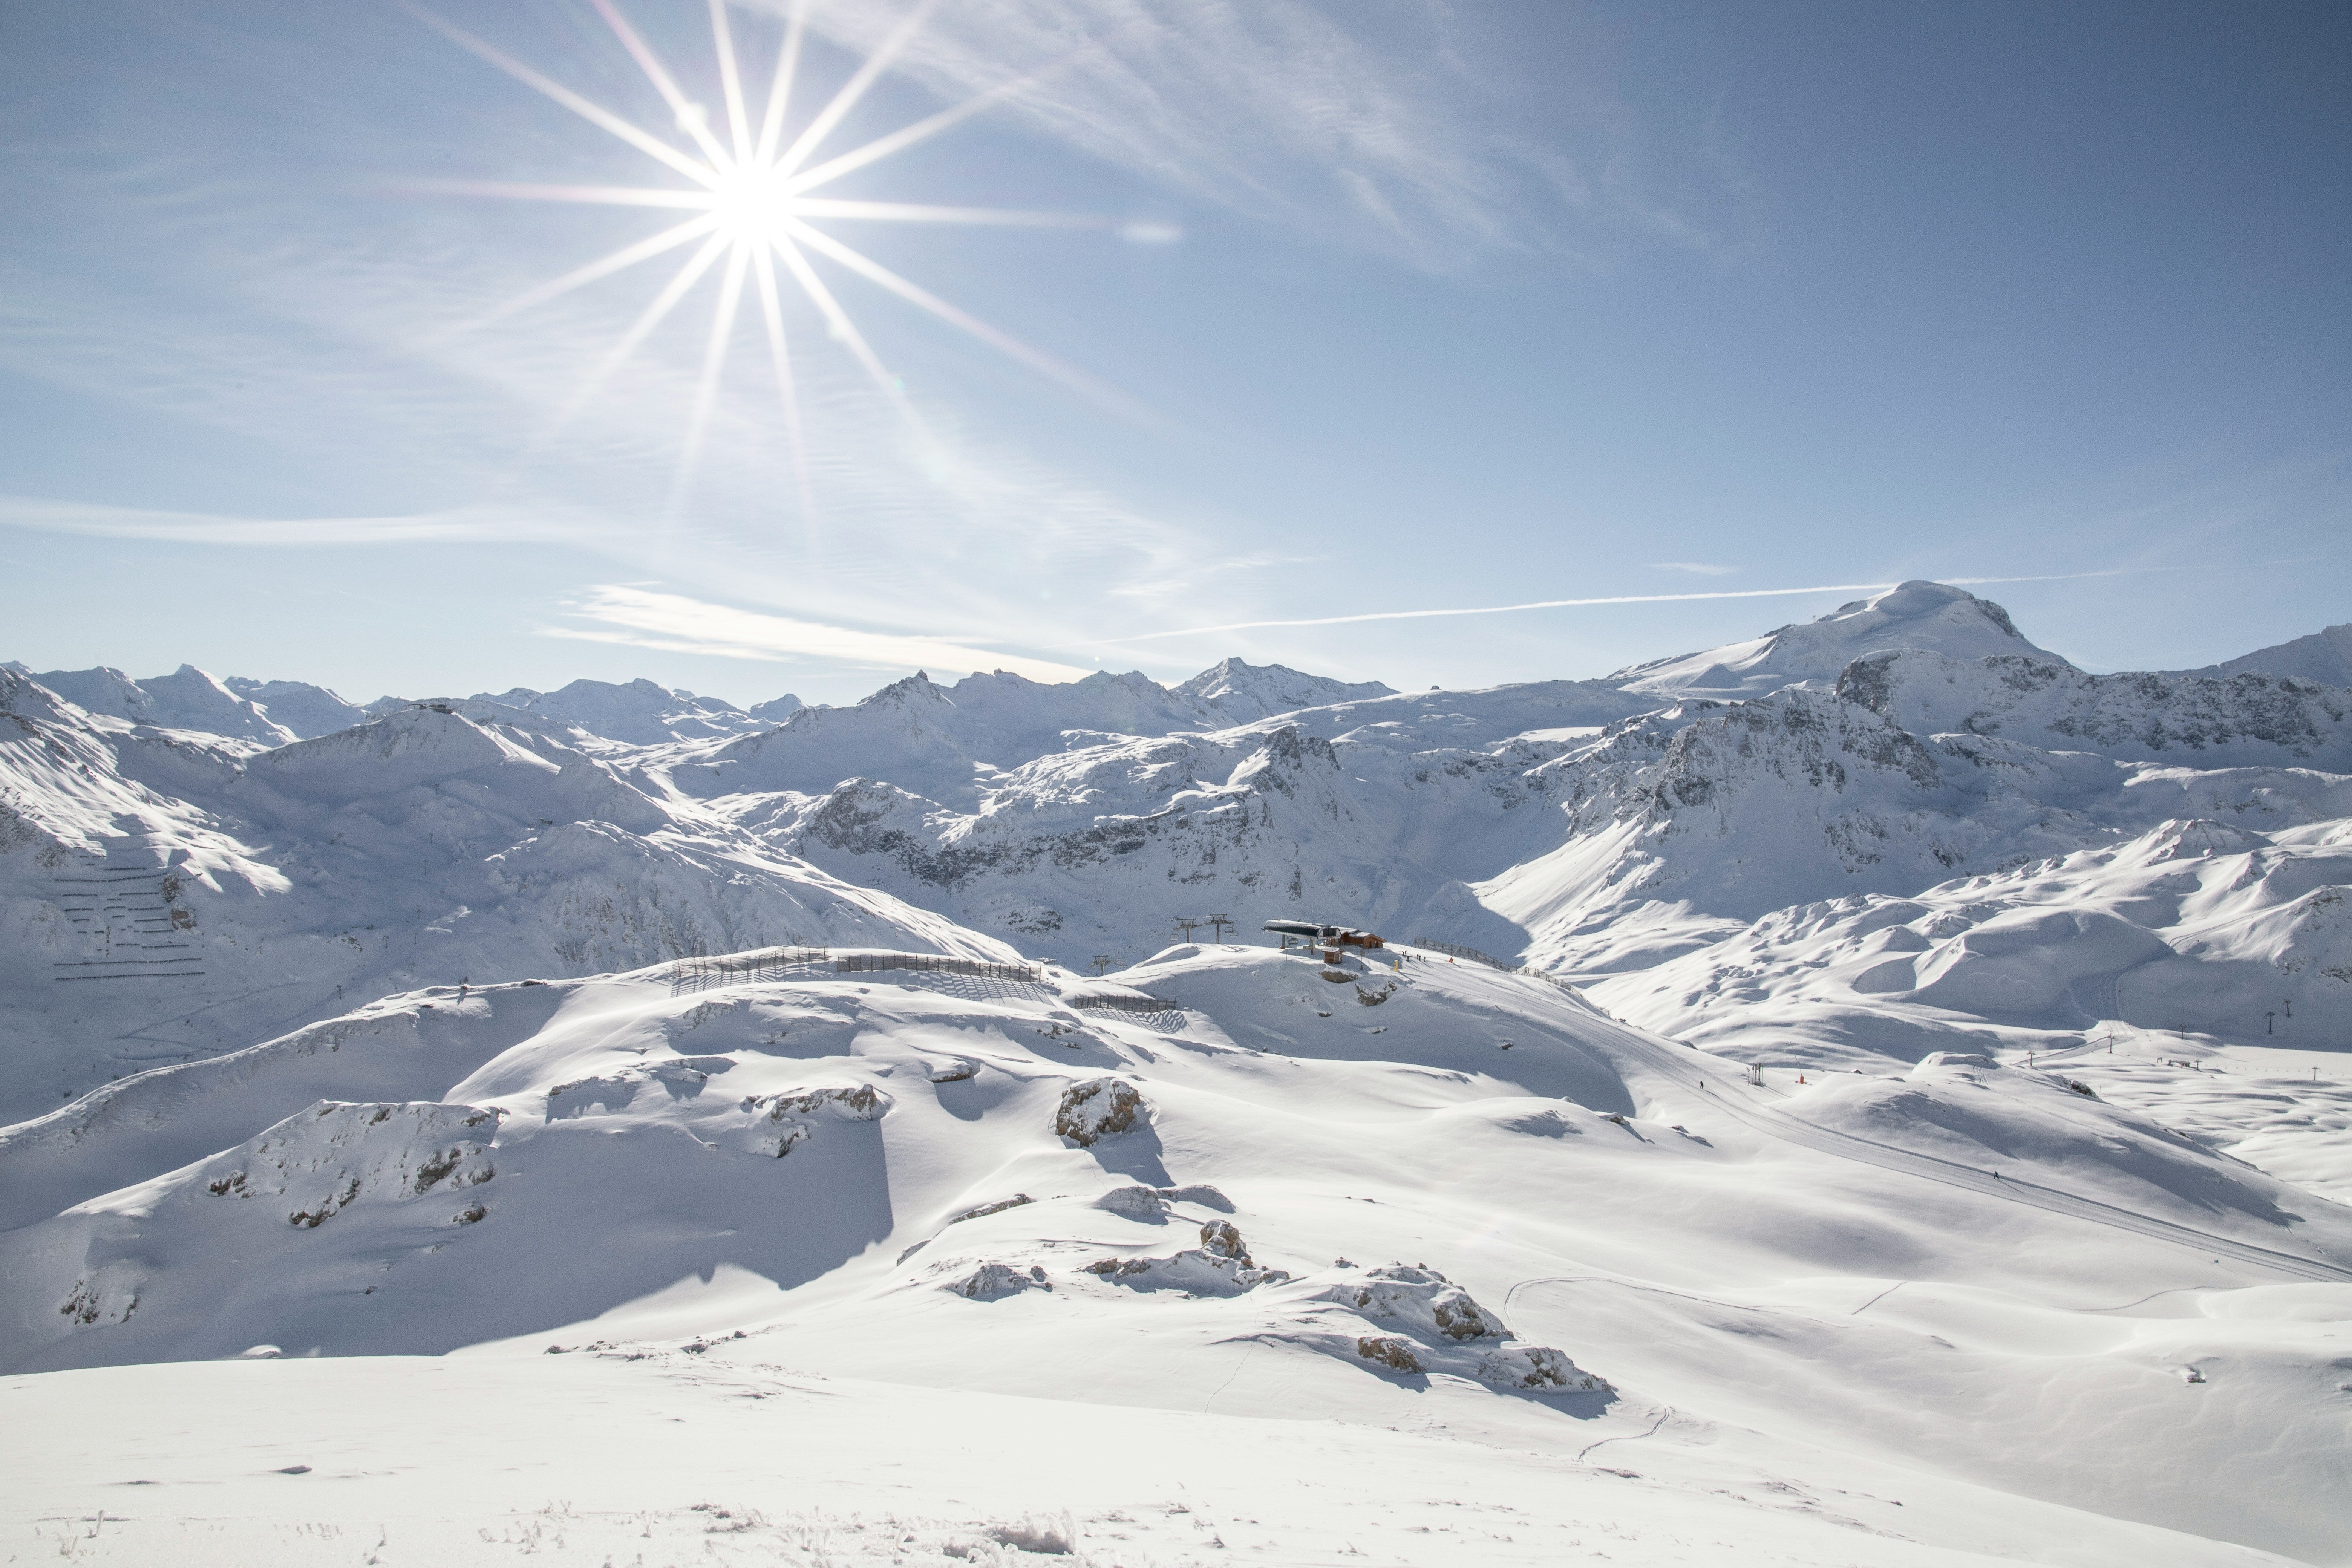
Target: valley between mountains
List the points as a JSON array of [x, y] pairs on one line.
[[1874, 1092]]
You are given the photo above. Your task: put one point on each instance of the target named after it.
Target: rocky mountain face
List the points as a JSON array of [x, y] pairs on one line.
[[2183, 719]]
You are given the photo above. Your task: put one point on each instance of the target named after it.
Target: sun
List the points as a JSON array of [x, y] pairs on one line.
[[754, 208], [751, 203]]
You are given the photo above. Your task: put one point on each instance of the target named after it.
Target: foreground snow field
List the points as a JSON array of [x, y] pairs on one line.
[[1446, 1210], [1907, 1120], [681, 1459]]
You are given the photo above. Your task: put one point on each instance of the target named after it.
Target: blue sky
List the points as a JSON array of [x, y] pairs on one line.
[[1373, 308]]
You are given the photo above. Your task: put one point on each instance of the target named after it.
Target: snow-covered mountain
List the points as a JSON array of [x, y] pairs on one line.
[[167, 897], [1951, 1150], [776, 709], [188, 699], [309, 711], [2325, 657], [1241, 692], [939, 740], [2196, 925], [1691, 823], [1929, 616], [642, 714], [1592, 827], [1100, 846], [1526, 822]]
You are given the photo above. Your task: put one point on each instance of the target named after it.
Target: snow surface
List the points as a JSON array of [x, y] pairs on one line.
[[1925, 615], [1917, 1134], [307, 710], [2326, 655], [188, 699], [751, 1459], [642, 714], [1242, 691], [1817, 1299], [168, 896]]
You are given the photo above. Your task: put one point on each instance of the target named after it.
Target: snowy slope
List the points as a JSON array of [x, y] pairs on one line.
[[776, 709], [2029, 1245], [188, 699], [940, 741], [1576, 824], [1241, 692], [1687, 823], [2325, 657], [640, 713], [1515, 822], [2200, 926], [1379, 809], [1929, 616], [1052, 860], [307, 710], [1332, 1203], [165, 895], [666, 1453]]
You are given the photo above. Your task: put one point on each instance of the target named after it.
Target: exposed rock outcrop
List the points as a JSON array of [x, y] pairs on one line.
[[1432, 1325], [1103, 1108], [1220, 1265]]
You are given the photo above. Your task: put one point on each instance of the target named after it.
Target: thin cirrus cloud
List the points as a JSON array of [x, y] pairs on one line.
[[1700, 568], [478, 524], [1288, 112], [673, 623]]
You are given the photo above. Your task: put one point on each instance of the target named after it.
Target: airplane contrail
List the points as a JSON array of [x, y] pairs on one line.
[[1571, 603]]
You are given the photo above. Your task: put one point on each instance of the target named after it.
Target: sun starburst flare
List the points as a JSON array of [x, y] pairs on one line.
[[751, 203]]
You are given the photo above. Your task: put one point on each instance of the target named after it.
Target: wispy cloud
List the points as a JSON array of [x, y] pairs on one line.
[[1399, 131], [1702, 568], [674, 623], [1179, 580], [480, 525], [265, 305]]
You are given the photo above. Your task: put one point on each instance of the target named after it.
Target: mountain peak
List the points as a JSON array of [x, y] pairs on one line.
[[1936, 618], [1245, 692], [639, 712], [917, 685], [307, 710], [187, 698]]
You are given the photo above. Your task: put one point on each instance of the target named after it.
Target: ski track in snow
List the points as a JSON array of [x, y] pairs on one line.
[[405, 1103]]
